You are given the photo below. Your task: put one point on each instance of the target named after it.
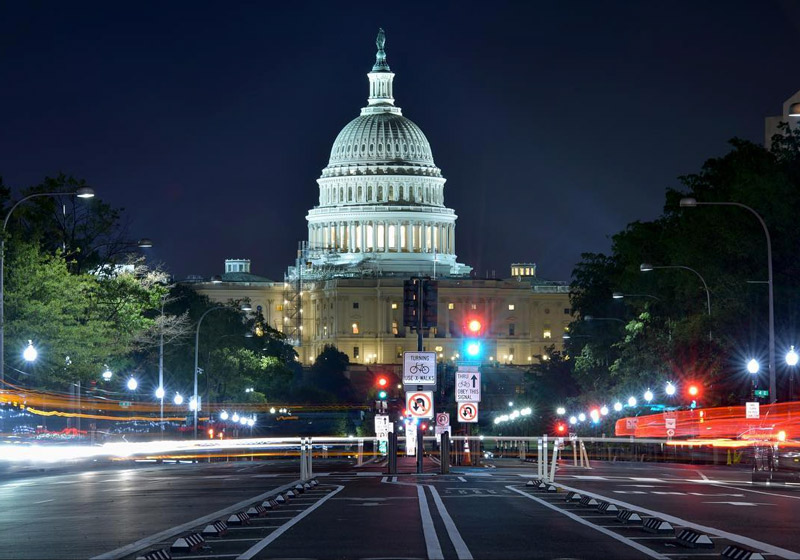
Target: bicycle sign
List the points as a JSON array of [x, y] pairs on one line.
[[419, 368]]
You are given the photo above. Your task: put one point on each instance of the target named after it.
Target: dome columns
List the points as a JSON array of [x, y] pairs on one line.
[[384, 236]]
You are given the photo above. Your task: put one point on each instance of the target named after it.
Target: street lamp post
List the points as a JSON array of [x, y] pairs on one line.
[[243, 307], [620, 295], [81, 192], [691, 203], [646, 267]]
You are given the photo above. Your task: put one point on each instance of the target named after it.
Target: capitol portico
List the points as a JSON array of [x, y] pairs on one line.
[[382, 218]]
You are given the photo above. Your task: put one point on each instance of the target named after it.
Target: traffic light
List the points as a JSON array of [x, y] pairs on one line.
[[473, 330], [430, 303], [561, 428], [410, 303], [693, 390]]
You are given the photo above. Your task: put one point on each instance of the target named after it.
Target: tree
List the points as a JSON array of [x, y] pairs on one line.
[[79, 322], [328, 373]]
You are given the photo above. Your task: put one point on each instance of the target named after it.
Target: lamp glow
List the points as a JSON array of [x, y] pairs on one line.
[[648, 395], [632, 401], [670, 389], [132, 383], [561, 411], [582, 417], [753, 366], [30, 354], [160, 393], [791, 357], [178, 399], [223, 415], [617, 406]]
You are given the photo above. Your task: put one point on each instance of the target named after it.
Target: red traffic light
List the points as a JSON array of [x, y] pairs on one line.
[[473, 327], [693, 390], [561, 428], [382, 381]]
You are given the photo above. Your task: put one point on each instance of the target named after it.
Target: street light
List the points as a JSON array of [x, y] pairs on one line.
[[80, 192], [244, 307], [691, 203], [647, 267], [791, 361], [132, 383], [589, 319], [620, 295], [670, 389], [30, 354]]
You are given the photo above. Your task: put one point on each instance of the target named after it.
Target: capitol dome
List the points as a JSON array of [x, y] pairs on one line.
[[376, 138], [381, 197]]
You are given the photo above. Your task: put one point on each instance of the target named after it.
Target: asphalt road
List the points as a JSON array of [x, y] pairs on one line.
[[360, 512]]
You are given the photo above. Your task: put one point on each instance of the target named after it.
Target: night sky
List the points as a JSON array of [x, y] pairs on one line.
[[555, 123]]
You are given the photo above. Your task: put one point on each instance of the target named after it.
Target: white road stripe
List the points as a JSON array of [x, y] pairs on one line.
[[428, 530], [258, 547], [747, 541], [455, 537], [169, 533], [612, 534]]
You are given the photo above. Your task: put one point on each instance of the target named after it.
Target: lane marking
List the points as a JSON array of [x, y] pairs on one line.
[[44, 501], [742, 503], [169, 533], [258, 547], [462, 479], [428, 530], [455, 537], [641, 548], [740, 539]]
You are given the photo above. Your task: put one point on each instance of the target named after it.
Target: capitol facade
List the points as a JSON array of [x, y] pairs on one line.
[[382, 218]]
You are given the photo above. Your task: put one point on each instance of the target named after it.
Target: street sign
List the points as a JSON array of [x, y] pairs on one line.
[[761, 393], [382, 426], [468, 384], [751, 410], [419, 368], [670, 432], [442, 429], [124, 404], [573, 436], [442, 419], [631, 423], [419, 404], [467, 412], [411, 440], [669, 423]]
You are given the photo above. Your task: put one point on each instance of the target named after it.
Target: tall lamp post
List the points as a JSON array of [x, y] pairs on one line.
[[244, 307], [647, 267], [691, 203], [81, 192]]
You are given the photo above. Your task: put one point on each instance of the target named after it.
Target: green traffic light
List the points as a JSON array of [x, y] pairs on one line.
[[382, 394]]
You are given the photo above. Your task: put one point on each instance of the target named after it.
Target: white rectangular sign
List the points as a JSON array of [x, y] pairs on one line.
[[468, 384], [382, 426], [751, 410], [669, 423], [411, 440], [419, 368]]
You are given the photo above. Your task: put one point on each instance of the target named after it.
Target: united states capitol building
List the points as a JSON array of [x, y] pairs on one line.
[[382, 218]]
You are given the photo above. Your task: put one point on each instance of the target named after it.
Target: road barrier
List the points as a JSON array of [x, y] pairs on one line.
[[216, 529], [241, 518], [693, 539], [188, 543], [607, 507], [741, 553], [257, 511], [656, 525], [628, 516]]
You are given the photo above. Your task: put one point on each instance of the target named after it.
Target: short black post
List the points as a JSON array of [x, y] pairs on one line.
[[392, 451], [444, 453], [420, 449]]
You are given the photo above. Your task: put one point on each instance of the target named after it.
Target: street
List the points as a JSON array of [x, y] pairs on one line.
[[361, 512]]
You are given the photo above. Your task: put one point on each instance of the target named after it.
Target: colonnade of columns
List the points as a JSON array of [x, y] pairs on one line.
[[401, 236]]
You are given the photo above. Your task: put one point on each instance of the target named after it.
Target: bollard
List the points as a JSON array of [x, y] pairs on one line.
[[420, 450], [575, 454], [539, 458], [555, 460], [392, 453], [309, 457], [544, 455], [584, 457], [444, 453], [303, 465], [360, 456], [522, 451]]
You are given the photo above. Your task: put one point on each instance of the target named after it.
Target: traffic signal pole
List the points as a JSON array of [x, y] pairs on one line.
[[420, 308]]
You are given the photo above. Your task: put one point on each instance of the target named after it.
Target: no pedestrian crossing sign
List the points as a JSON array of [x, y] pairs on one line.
[[468, 384], [419, 404], [419, 368]]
